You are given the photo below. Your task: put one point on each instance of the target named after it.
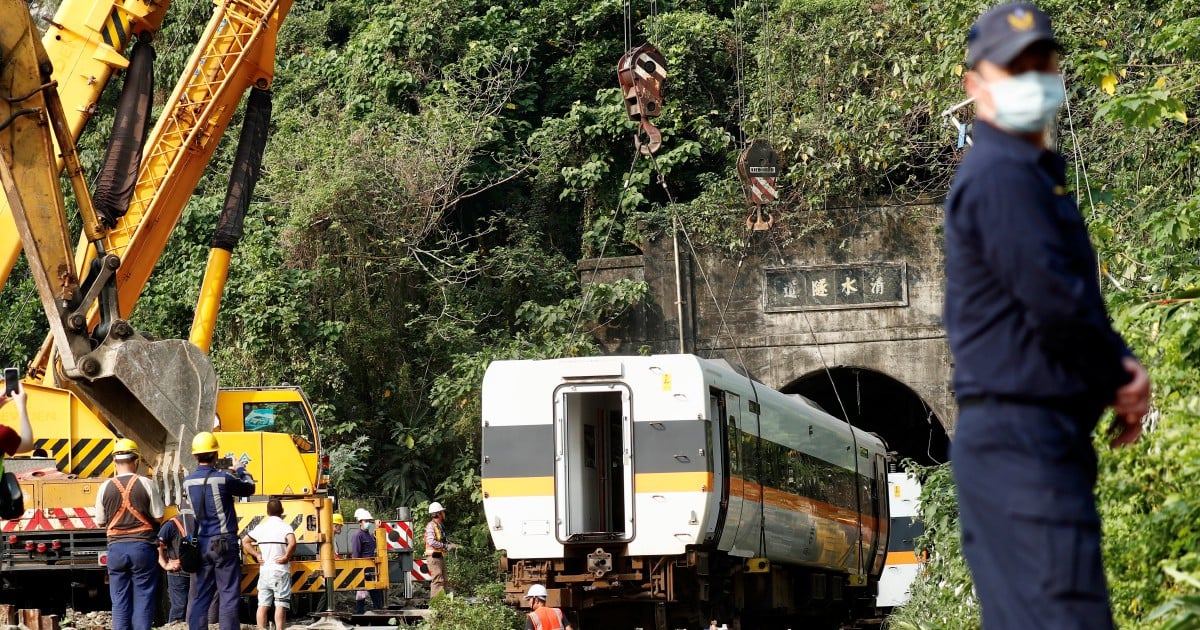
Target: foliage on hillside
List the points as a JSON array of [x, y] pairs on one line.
[[435, 168]]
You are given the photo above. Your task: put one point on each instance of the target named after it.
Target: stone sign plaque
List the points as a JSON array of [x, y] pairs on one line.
[[825, 287]]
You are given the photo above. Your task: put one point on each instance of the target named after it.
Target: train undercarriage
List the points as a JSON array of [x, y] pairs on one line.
[[603, 588]]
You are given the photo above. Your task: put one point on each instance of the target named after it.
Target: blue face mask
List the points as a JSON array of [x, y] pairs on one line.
[[1027, 102]]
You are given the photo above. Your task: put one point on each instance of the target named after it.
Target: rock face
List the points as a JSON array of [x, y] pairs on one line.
[[856, 300]]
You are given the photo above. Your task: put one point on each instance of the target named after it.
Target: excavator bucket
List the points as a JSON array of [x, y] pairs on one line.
[[158, 393]]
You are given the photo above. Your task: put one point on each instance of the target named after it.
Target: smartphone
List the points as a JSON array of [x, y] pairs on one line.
[[12, 380]]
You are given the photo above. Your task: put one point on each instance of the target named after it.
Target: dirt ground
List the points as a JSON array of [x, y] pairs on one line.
[[102, 620]]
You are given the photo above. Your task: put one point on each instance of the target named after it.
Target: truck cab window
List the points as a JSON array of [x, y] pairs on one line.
[[280, 417]]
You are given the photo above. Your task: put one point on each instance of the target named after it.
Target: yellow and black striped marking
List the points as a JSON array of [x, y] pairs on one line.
[[86, 457], [117, 30], [306, 578], [247, 523]]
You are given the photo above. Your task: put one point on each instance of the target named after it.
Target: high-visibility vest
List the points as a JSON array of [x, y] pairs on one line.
[[547, 618], [136, 523]]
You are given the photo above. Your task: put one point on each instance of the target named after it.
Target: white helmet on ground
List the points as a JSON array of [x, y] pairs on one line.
[[435, 507], [362, 515], [538, 591]]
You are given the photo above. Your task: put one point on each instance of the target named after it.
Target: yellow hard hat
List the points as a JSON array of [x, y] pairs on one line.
[[124, 450], [338, 519], [204, 442]]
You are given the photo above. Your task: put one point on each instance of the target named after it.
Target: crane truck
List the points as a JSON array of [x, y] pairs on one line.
[[97, 378]]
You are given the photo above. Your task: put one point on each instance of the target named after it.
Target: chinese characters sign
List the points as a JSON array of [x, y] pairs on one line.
[[866, 285]]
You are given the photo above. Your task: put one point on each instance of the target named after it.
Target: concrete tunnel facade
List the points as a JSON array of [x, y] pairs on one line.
[[851, 308]]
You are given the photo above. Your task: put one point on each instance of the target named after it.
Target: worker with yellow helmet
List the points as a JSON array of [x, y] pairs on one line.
[[130, 505], [339, 522], [212, 493]]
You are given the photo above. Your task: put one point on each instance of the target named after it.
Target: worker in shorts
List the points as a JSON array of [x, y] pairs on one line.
[[276, 542]]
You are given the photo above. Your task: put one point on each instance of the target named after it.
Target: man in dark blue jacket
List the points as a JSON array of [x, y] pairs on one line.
[[1036, 360], [212, 493]]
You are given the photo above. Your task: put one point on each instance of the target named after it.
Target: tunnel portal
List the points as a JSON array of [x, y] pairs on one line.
[[878, 403]]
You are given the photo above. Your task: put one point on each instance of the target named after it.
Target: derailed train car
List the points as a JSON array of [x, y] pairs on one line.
[[677, 482]]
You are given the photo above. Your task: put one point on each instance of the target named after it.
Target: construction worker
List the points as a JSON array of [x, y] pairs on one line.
[[276, 542], [362, 545], [543, 617], [339, 522], [130, 505], [179, 582], [436, 546], [212, 495]]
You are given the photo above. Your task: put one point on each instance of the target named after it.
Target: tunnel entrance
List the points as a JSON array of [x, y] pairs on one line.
[[880, 404]]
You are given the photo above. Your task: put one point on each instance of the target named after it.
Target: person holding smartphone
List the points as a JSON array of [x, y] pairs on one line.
[[21, 439]]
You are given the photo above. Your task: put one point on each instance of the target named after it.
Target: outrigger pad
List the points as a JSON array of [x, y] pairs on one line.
[[158, 393]]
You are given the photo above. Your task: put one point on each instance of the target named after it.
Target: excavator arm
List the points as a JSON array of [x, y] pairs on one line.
[[86, 41], [160, 393]]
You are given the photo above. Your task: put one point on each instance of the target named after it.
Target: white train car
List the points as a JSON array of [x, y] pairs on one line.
[[673, 479], [903, 561]]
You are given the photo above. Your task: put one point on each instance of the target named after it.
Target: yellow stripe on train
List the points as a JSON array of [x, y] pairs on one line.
[[700, 481]]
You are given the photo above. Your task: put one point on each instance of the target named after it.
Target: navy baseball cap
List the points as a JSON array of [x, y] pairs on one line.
[[1001, 33]]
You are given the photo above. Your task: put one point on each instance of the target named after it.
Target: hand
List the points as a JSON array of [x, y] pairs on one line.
[[281, 560], [1131, 405], [451, 546], [173, 565], [17, 394]]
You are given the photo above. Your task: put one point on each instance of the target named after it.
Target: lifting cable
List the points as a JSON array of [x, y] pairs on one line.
[[677, 224], [22, 303], [739, 71], [640, 73], [585, 295], [845, 416], [758, 163]]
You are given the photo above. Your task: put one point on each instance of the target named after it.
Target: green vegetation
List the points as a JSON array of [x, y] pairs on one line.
[[436, 168]]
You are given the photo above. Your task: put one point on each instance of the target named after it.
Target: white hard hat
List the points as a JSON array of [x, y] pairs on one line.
[[537, 590], [436, 507], [362, 515]]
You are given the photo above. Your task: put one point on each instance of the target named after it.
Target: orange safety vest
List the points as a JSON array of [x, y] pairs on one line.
[[114, 529], [547, 618]]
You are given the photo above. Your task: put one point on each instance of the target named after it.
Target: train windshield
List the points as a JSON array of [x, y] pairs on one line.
[[593, 471]]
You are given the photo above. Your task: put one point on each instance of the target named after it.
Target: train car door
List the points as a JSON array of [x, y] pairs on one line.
[[593, 469], [718, 463], [734, 480]]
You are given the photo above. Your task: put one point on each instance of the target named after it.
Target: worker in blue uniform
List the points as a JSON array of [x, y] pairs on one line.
[[212, 493], [1036, 360]]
